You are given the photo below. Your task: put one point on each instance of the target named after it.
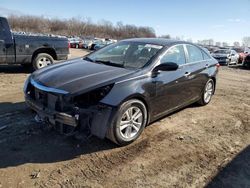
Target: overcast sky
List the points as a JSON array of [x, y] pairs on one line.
[[222, 20]]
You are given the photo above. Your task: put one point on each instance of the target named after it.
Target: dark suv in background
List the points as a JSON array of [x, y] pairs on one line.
[[35, 50]]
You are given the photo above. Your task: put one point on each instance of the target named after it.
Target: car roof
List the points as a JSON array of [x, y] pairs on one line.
[[157, 41]]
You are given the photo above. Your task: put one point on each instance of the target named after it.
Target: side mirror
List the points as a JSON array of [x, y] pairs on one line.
[[168, 66]]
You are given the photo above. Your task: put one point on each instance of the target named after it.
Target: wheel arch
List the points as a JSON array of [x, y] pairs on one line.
[[141, 98], [214, 79], [49, 51]]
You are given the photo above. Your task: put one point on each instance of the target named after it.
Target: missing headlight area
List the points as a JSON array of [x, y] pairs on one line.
[[83, 113], [92, 97]]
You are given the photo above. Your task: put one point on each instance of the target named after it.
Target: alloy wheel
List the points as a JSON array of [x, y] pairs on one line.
[[131, 122], [208, 92], [43, 62]]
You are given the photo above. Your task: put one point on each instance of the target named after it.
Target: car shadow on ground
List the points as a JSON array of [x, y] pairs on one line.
[[22, 140], [15, 69], [238, 67], [235, 174], [8, 107]]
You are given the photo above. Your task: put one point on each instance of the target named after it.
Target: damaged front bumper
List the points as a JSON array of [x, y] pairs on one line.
[[52, 115], [93, 121], [52, 107]]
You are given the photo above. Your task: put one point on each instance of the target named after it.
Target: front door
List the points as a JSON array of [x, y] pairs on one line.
[[171, 86], [2, 44]]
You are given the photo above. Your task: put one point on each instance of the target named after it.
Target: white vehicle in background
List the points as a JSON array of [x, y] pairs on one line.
[[226, 56], [233, 58], [75, 42]]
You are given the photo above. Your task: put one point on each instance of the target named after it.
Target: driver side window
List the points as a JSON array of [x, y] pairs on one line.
[[174, 54]]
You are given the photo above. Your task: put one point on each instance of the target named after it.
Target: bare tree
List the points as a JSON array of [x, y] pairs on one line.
[[210, 42], [206, 42], [224, 44], [78, 27], [165, 36], [189, 40], [218, 44], [246, 41], [236, 44]]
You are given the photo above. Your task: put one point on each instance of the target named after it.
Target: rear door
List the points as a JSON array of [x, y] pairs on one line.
[[197, 66]]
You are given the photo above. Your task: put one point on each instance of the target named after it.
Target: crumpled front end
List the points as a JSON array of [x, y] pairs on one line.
[[69, 115]]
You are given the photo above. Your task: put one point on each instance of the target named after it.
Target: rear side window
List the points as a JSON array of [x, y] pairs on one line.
[[175, 54], [205, 55], [194, 54], [5, 33]]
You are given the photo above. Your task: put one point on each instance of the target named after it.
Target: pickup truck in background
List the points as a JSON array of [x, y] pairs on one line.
[[37, 51]]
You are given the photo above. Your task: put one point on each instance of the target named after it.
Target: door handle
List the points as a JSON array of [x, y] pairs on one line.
[[187, 74], [206, 66]]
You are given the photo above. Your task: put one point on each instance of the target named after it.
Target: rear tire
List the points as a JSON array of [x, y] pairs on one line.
[[42, 60], [246, 63], [207, 93], [128, 123]]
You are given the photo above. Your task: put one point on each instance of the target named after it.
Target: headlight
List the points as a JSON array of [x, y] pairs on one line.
[[26, 84], [92, 97], [104, 90]]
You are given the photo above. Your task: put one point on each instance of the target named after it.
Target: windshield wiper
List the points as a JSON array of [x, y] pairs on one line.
[[88, 59], [109, 63]]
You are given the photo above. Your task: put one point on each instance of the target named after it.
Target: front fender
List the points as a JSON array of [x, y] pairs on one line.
[[141, 88]]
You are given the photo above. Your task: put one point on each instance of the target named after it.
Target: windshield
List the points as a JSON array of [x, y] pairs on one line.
[[222, 52], [125, 54]]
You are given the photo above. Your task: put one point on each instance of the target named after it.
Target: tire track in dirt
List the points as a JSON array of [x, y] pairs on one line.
[[93, 166], [18, 125]]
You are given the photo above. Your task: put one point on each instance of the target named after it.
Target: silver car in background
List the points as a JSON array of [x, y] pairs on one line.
[[226, 56]]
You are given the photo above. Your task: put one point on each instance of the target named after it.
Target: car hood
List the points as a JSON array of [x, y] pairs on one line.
[[79, 76]]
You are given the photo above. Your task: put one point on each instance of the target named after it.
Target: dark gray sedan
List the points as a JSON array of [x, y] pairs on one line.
[[118, 90]]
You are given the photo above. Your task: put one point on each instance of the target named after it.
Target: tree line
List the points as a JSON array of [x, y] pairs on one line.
[[78, 27]]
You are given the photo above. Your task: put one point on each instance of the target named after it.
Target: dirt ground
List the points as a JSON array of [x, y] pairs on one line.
[[194, 147]]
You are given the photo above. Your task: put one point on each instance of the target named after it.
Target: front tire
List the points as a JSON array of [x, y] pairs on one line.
[[42, 60], [207, 93], [128, 123]]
